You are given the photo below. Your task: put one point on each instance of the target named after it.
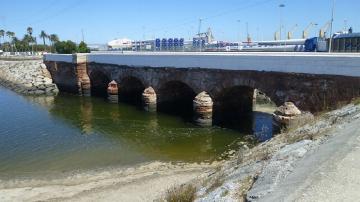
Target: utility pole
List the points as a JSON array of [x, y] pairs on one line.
[[199, 30], [331, 25], [199, 33], [82, 35], [247, 33], [281, 20], [345, 25], [239, 35]]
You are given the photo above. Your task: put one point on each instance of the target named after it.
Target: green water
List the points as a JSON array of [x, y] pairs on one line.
[[40, 135]]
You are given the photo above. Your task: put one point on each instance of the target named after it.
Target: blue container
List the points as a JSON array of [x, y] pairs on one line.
[[181, 42]]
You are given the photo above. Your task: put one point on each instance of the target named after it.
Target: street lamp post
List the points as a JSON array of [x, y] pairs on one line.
[[247, 33], [281, 6], [331, 25], [199, 33], [239, 34], [281, 20]]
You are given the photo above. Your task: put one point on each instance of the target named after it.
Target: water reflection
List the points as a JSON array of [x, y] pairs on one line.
[[63, 133], [155, 135], [263, 126]]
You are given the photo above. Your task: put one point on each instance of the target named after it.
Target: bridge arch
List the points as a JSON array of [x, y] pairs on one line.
[[176, 97], [99, 81], [131, 89], [233, 106]]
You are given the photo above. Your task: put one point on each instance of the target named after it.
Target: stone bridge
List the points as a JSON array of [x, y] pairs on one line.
[[211, 86]]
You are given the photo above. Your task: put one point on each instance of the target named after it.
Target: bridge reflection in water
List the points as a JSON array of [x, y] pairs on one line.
[[68, 132], [152, 134]]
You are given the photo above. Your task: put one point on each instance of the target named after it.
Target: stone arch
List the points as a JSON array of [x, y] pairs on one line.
[[176, 97], [233, 107], [99, 81], [131, 89]]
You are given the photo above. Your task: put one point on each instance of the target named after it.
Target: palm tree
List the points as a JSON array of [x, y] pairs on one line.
[[2, 34], [53, 39], [43, 35], [10, 35], [14, 40], [30, 32]]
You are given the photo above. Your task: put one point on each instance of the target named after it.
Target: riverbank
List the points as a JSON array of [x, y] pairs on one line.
[[26, 76], [141, 183], [266, 172]]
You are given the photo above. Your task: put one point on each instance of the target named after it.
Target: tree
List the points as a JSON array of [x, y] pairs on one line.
[[2, 34], [43, 35], [83, 48], [65, 47], [53, 39], [10, 35], [15, 41], [30, 32]]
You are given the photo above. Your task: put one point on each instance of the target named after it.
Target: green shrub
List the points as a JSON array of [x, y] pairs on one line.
[[65, 47], [83, 48]]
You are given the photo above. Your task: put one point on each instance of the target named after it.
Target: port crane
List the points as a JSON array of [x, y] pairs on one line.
[[306, 30], [291, 32], [324, 29]]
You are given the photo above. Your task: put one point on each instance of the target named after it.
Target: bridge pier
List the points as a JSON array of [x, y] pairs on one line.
[[149, 99], [113, 92], [83, 80], [203, 109], [86, 86]]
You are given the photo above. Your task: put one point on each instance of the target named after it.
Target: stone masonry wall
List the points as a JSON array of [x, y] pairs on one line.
[[29, 77], [310, 92]]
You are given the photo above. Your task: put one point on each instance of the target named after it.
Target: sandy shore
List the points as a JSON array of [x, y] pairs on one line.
[[142, 183]]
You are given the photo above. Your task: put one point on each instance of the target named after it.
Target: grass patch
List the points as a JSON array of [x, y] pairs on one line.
[[356, 101], [183, 193]]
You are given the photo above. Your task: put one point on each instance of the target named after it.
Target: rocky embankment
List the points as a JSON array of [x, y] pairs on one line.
[[258, 173], [28, 77]]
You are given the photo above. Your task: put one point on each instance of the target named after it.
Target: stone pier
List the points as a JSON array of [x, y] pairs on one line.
[[149, 99], [113, 92], [83, 80], [203, 109]]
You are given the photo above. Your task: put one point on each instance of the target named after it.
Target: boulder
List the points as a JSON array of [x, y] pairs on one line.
[[47, 80], [42, 65], [288, 109], [289, 116], [39, 92]]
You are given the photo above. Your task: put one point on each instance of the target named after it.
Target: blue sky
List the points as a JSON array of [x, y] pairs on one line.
[[105, 20]]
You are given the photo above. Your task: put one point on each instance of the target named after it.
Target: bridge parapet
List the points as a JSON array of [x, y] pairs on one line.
[[307, 63]]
